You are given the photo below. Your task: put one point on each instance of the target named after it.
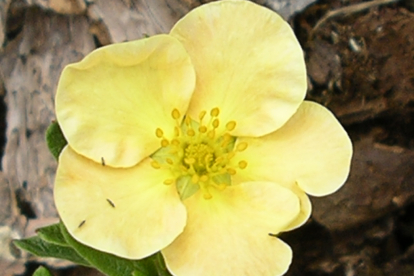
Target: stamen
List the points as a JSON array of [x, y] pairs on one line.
[[202, 129], [190, 132], [230, 155], [226, 140], [155, 164], [175, 142], [215, 112], [202, 114], [164, 143], [231, 171], [204, 178], [242, 164], [169, 181], [187, 120], [231, 125], [189, 161], [219, 160], [159, 133], [242, 146], [216, 123], [195, 178], [207, 195], [220, 186], [169, 161], [175, 114]]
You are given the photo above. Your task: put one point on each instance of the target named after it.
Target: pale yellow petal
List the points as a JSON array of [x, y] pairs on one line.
[[248, 63], [305, 209], [229, 233], [312, 149], [126, 212], [111, 103]]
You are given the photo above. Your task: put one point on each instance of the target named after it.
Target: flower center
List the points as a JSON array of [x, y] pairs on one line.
[[199, 154]]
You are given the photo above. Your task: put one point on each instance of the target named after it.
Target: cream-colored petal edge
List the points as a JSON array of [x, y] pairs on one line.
[[229, 234], [110, 104], [126, 212], [305, 209], [248, 63], [312, 149]]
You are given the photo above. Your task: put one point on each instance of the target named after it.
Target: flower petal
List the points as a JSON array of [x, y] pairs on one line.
[[229, 234], [110, 104], [126, 212], [248, 63], [311, 149], [305, 209]]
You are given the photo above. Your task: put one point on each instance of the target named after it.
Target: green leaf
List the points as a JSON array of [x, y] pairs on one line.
[[138, 273], [41, 248], [160, 265], [109, 264], [41, 271], [55, 139], [52, 234]]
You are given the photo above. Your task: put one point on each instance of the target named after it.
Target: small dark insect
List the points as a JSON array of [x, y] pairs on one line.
[[102, 161], [110, 203], [82, 223], [273, 235]]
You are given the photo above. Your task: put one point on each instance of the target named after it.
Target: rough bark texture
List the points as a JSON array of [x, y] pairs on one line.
[[360, 65]]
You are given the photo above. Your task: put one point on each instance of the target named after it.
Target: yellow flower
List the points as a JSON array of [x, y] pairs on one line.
[[197, 143]]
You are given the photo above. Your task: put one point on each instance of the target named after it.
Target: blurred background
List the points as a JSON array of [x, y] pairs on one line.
[[360, 60]]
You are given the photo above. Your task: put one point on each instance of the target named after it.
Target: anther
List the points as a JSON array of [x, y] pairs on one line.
[[219, 160], [168, 181], [155, 164], [220, 186], [159, 133], [231, 125], [164, 143], [201, 115], [175, 142], [169, 161], [242, 146], [189, 161], [226, 140], [231, 171], [204, 178], [187, 120], [223, 170], [230, 155], [207, 195], [195, 178], [190, 132], [215, 112], [202, 129], [211, 134], [175, 114], [242, 164], [216, 123]]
